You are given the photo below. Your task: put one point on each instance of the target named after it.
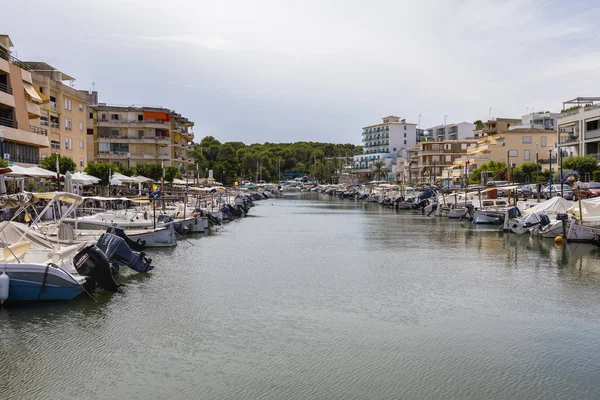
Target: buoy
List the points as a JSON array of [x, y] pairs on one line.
[[558, 240], [4, 284]]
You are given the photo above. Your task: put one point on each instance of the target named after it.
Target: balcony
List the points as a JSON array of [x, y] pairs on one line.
[[38, 130], [54, 125], [592, 134], [161, 140], [33, 110], [27, 137], [53, 104], [6, 89], [14, 60], [568, 138], [9, 123], [147, 123]]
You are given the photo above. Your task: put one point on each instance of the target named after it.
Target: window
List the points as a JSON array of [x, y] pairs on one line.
[[114, 133], [513, 153], [405, 141], [68, 143], [395, 148], [114, 117], [55, 144], [140, 117], [544, 139], [68, 124], [80, 107], [527, 155], [103, 117], [404, 127], [140, 134], [463, 146], [81, 162], [526, 139], [404, 134], [81, 144], [81, 126], [449, 158], [104, 147], [91, 116]]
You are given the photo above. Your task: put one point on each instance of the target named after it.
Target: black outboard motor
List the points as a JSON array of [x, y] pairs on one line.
[[514, 212], [468, 212], [544, 220], [226, 212], [564, 218], [92, 263], [119, 253], [164, 219], [137, 245]]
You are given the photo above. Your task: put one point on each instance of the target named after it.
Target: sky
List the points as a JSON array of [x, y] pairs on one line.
[[318, 70]]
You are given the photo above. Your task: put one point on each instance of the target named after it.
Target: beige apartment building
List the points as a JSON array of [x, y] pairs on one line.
[[428, 162], [63, 114], [21, 135], [514, 147], [133, 136], [495, 126]]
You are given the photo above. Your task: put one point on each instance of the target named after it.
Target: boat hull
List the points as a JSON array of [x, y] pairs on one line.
[[31, 282]]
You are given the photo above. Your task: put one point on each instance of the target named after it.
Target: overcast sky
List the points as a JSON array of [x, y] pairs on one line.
[[283, 71]]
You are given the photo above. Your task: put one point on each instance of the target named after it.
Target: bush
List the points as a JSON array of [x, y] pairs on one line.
[[596, 176]]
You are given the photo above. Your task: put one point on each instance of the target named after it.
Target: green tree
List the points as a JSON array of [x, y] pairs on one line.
[[582, 164], [479, 124], [3, 163], [172, 172], [65, 163], [101, 170], [153, 171], [379, 170]]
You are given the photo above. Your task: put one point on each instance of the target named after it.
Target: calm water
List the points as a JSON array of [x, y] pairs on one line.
[[317, 298]]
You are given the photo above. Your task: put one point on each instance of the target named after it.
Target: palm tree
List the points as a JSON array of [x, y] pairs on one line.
[[379, 169]]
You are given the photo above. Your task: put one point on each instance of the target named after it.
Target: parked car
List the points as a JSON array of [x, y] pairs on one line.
[[528, 191], [587, 190], [566, 190]]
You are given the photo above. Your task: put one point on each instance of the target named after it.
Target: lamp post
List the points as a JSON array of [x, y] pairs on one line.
[[537, 170], [128, 160], [561, 172], [550, 178]]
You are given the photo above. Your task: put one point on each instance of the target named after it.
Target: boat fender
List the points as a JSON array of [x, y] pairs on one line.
[[4, 287]]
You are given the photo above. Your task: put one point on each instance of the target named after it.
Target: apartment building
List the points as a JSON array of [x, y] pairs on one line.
[[427, 162], [181, 145], [539, 120], [579, 127], [514, 146], [495, 126], [21, 135], [382, 141], [141, 135], [459, 131], [64, 114]]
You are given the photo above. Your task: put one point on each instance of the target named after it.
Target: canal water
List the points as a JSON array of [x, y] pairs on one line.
[[313, 297]]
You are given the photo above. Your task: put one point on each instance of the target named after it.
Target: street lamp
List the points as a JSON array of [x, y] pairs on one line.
[[561, 172], [128, 160], [2, 132]]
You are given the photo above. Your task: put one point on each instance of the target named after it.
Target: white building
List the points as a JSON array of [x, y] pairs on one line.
[[579, 127], [542, 120], [381, 142], [460, 131]]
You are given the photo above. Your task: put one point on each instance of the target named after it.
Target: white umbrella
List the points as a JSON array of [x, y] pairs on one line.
[[119, 179], [2, 184]]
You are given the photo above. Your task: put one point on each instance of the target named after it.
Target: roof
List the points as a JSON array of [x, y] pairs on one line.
[[528, 130], [579, 100], [40, 66], [10, 43]]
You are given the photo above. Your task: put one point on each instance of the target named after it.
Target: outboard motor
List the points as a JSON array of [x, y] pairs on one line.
[[514, 213], [544, 220], [468, 212], [227, 212], [137, 245], [564, 218], [119, 253], [164, 219], [92, 263]]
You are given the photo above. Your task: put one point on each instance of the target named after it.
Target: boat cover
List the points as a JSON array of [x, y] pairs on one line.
[[23, 199], [590, 210], [553, 206]]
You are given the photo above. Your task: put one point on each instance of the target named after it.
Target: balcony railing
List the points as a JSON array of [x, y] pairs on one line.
[[53, 104], [592, 133], [54, 125], [108, 137], [38, 130], [568, 138], [44, 122], [4, 88], [133, 121], [9, 122], [14, 60]]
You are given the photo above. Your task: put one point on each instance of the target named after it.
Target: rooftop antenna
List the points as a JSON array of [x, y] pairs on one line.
[[93, 86], [445, 119], [490, 114]]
